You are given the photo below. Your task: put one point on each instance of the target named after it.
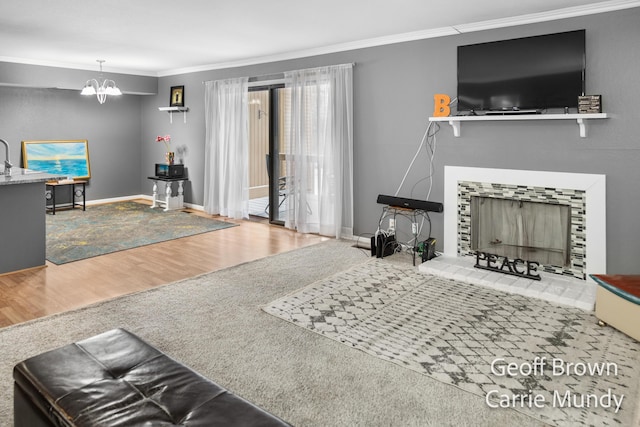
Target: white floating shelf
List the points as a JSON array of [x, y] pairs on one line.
[[171, 110], [581, 119]]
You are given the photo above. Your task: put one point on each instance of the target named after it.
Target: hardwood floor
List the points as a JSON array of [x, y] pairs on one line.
[[53, 289]]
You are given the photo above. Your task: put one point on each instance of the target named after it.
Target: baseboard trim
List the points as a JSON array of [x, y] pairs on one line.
[[118, 199], [24, 270], [137, 197]]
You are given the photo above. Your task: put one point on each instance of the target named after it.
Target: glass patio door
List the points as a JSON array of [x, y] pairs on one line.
[[267, 164]]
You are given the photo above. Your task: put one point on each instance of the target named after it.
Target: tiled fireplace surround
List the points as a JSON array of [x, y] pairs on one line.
[[586, 193]]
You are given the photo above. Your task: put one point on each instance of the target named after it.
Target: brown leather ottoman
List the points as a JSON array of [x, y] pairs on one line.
[[116, 379]]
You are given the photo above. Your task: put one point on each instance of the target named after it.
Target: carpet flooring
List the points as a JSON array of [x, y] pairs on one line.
[[214, 324], [467, 336], [74, 234]]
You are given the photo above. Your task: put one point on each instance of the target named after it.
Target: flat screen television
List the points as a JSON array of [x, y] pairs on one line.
[[529, 74]]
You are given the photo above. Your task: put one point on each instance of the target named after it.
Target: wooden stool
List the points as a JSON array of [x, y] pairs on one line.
[[618, 302]]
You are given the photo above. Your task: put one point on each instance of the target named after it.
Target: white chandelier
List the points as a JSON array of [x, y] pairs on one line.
[[101, 90]]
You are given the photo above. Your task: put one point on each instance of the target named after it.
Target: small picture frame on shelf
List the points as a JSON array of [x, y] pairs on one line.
[[177, 96], [589, 104]]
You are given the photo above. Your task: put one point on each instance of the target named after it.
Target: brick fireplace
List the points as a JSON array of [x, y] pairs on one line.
[[585, 196]]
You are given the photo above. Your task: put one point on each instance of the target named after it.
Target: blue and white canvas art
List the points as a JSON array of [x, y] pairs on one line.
[[68, 158]]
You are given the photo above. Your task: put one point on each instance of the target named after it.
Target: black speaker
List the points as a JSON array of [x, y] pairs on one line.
[[414, 204]]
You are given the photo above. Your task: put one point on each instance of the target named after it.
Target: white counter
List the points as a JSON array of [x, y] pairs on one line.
[[26, 176]]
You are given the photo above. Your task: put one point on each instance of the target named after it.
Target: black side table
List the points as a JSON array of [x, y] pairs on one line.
[[76, 192]]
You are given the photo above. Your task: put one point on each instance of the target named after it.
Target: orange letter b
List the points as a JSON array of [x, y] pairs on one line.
[[441, 107]]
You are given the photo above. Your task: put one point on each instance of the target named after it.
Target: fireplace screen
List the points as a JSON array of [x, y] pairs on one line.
[[531, 231]]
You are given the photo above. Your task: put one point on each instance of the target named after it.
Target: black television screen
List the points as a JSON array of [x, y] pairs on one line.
[[531, 73]]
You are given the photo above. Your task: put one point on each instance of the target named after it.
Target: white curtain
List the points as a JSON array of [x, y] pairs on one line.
[[319, 150], [226, 155]]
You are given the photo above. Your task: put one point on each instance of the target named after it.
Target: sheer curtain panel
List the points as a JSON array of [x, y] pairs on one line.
[[319, 150], [226, 172]]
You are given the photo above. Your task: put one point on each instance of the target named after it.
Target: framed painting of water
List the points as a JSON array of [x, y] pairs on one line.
[[69, 158]]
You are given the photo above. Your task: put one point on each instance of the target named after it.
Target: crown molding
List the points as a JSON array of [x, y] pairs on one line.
[[570, 12], [342, 47]]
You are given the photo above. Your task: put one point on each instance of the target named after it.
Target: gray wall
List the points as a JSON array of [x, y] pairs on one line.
[[394, 87], [393, 97], [112, 129]]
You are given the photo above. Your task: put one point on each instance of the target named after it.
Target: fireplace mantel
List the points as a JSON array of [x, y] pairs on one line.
[[593, 185]]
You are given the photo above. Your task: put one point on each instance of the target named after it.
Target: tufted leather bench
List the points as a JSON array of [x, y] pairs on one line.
[[116, 379]]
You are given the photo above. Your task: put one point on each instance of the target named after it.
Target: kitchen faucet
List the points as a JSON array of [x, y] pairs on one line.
[[7, 163]]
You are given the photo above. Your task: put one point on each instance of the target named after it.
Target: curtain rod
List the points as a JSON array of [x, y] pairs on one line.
[[278, 76]]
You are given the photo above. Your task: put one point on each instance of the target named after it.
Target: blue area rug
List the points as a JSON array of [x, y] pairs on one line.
[[74, 234]]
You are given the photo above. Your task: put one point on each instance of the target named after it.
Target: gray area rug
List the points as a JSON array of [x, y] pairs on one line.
[[75, 234], [566, 370], [214, 324]]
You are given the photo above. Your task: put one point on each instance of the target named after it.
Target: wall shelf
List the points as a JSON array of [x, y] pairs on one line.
[[581, 119], [172, 110]]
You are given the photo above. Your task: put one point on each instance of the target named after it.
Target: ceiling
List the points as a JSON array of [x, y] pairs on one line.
[[162, 37]]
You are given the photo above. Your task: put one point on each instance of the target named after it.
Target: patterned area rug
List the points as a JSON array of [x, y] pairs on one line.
[[551, 362], [101, 229]]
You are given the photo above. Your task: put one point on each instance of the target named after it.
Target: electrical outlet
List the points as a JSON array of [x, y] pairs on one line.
[[414, 227], [392, 224]]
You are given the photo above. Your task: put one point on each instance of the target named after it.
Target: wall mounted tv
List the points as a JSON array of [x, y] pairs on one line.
[[525, 75]]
